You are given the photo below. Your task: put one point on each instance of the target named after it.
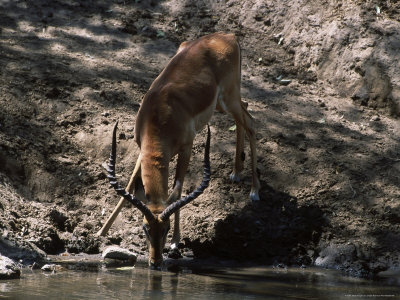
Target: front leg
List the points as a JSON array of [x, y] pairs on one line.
[[173, 249], [175, 195], [181, 168], [176, 237]]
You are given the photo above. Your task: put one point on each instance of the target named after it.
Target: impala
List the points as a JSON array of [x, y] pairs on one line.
[[203, 75]]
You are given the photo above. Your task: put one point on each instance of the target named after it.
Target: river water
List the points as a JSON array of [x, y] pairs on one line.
[[226, 283]]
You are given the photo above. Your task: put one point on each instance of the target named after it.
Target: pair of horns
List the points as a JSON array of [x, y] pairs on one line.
[[169, 210]]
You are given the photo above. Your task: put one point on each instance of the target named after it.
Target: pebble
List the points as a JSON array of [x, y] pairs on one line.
[[51, 268], [302, 146], [375, 118]]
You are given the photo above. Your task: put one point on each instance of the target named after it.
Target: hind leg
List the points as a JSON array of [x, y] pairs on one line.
[[254, 196], [240, 155], [245, 122]]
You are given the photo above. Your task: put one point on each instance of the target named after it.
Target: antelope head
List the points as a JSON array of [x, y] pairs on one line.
[[156, 223]]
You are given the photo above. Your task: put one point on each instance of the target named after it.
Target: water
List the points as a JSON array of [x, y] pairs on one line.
[[245, 283]]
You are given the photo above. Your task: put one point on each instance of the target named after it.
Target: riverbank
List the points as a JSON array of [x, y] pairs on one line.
[[323, 88]]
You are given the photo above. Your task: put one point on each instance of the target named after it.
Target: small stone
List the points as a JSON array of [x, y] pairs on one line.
[[51, 268], [375, 118], [174, 253], [280, 266], [188, 253], [303, 146], [118, 253], [284, 81]]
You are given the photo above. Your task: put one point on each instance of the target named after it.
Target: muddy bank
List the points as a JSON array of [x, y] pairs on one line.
[[322, 85]]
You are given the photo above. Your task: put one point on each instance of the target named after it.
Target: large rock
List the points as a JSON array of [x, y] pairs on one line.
[[118, 253], [334, 255], [9, 269], [20, 250], [351, 259]]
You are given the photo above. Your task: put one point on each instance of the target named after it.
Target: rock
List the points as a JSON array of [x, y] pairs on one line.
[[188, 253], [17, 250], [350, 259], [334, 255], [118, 253], [375, 118], [377, 267], [47, 268], [174, 253], [9, 269], [302, 146], [279, 266], [51, 268]]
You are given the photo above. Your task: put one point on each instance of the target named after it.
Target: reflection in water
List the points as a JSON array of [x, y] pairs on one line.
[[142, 283]]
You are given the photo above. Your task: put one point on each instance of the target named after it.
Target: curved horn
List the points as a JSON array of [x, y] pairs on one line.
[[113, 181], [204, 184]]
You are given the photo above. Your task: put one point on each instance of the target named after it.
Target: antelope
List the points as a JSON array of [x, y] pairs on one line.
[[203, 75]]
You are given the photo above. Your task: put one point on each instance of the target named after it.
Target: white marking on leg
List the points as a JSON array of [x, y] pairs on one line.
[[254, 196], [235, 177]]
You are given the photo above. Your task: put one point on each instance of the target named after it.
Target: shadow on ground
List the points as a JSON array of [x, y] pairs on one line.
[[273, 230]]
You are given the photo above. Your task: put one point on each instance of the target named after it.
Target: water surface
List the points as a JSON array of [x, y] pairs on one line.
[[238, 283]]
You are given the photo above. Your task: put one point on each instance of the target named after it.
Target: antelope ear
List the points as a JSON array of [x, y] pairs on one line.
[[139, 189]]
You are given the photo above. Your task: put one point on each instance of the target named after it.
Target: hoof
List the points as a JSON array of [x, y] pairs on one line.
[[254, 196], [235, 177]]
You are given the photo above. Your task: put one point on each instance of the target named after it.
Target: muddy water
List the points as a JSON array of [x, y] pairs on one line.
[[248, 283]]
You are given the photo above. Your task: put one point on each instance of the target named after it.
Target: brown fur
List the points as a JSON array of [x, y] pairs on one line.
[[203, 75]]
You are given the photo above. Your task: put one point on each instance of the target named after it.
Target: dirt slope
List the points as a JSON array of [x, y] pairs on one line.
[[322, 81]]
